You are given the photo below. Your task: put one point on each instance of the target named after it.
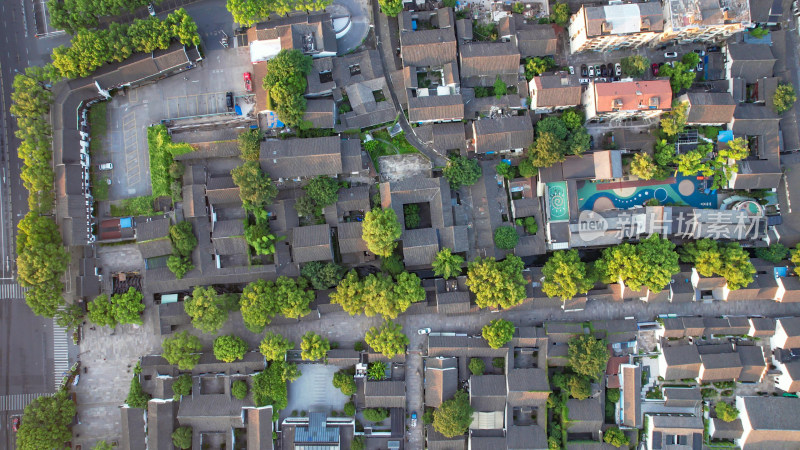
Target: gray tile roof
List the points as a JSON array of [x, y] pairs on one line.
[[194, 201], [311, 243], [463, 346], [750, 61], [353, 199], [259, 428], [709, 107], [420, 246], [449, 136], [726, 430], [632, 395], [385, 394], [482, 63], [555, 91], [436, 108], [495, 135], [152, 229], [319, 112], [156, 247], [527, 387], [526, 438], [425, 48], [160, 423], [207, 150], [133, 429], [585, 416], [537, 40], [352, 159], [441, 380], [350, 240], [293, 158], [488, 392], [772, 413]]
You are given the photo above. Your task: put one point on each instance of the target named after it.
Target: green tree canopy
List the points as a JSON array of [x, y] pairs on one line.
[[461, 171], [726, 412], [322, 275], [580, 388], [206, 309], [269, 387], [587, 356], [565, 275], [506, 237], [497, 284], [182, 349], [476, 366], [239, 389], [183, 238], [795, 258], [664, 153], [180, 265], [286, 83], [691, 59], [101, 312], [388, 339], [391, 7], [680, 75], [643, 166], [498, 332], [729, 261], [182, 386], [229, 348], [673, 122], [651, 263], [182, 437], [376, 414], [255, 188], [128, 306], [41, 259], [447, 265], [46, 422], [377, 294], [137, 397], [344, 382], [614, 436], [323, 190], [381, 230], [454, 416], [274, 346], [500, 88], [634, 65], [784, 98], [536, 66], [250, 144], [314, 347], [560, 14], [547, 150], [775, 253], [377, 371], [262, 300]]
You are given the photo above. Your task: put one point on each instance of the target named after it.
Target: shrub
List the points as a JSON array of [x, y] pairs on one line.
[[349, 409], [498, 363], [506, 237], [477, 366], [376, 414], [239, 389]]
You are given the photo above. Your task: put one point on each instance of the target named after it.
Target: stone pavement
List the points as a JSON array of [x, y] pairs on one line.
[[109, 356]]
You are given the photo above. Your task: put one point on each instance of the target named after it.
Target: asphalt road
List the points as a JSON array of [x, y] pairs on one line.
[[26, 356]]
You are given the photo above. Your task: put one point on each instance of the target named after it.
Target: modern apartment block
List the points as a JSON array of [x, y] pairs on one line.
[[704, 20], [615, 26]]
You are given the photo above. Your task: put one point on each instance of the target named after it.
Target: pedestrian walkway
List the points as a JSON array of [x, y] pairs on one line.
[[10, 291], [60, 353], [17, 402]]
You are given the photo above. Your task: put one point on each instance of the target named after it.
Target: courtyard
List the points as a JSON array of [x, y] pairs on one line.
[[678, 191]]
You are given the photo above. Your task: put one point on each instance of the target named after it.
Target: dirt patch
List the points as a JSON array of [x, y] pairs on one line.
[[401, 167]]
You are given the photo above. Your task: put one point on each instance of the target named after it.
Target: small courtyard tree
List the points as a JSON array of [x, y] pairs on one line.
[[229, 348], [182, 349], [447, 265], [454, 416], [587, 355], [314, 347], [498, 332], [381, 230]]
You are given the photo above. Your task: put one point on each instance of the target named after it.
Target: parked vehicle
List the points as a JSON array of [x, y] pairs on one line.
[[654, 68], [712, 49], [604, 71], [584, 70], [248, 82], [571, 70], [414, 419], [700, 52], [584, 80], [700, 66], [424, 331], [106, 166], [671, 55], [597, 70], [591, 71], [229, 100], [151, 9], [617, 69]]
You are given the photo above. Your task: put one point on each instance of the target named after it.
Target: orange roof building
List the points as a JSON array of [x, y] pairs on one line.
[[627, 99]]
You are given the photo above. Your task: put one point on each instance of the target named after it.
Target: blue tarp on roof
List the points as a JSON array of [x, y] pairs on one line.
[[125, 222], [725, 136]]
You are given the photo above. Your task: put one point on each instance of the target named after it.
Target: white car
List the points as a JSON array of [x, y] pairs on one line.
[[671, 55], [618, 69], [106, 166], [424, 331], [571, 70], [584, 80], [591, 71]]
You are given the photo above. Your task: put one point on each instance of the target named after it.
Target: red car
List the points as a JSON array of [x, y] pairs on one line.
[[15, 424], [654, 68], [248, 82]]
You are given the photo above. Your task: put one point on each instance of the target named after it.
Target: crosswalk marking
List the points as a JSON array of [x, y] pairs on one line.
[[17, 402], [12, 291], [60, 353]]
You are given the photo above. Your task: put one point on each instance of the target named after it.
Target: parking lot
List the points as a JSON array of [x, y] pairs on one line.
[[196, 92]]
